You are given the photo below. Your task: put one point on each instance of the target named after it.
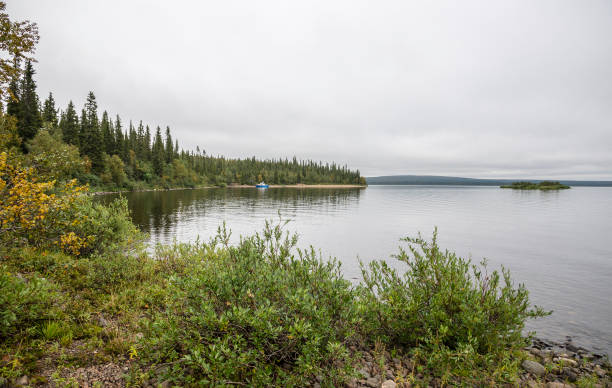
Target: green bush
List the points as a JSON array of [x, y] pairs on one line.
[[259, 313], [453, 314], [104, 227], [24, 304]]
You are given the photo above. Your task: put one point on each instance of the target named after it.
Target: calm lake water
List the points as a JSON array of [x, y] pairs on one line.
[[554, 242]]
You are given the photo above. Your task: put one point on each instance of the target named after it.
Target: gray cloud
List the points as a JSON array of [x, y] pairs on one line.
[[477, 88]]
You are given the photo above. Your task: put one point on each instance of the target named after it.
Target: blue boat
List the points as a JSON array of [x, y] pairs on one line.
[[261, 185]]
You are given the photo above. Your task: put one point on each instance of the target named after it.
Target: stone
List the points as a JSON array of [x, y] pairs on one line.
[[23, 380], [533, 384], [388, 384], [166, 384], [556, 384], [534, 367], [102, 322], [372, 382], [571, 347], [567, 361], [352, 383], [599, 371], [364, 372], [570, 374]]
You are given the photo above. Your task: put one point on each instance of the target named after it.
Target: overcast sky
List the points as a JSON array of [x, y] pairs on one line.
[[471, 88]]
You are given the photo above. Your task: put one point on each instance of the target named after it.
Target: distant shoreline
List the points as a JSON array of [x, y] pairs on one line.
[[303, 186], [460, 181], [296, 186]]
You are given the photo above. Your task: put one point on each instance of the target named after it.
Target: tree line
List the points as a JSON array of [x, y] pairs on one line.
[[128, 155]]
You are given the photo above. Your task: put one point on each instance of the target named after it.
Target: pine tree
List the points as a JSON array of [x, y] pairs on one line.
[[49, 113], [158, 153], [29, 120], [69, 125]]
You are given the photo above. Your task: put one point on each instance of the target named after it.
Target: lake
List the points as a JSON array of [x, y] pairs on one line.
[[555, 242]]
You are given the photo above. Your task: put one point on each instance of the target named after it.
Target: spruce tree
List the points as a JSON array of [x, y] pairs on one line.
[[140, 139], [69, 125], [93, 146], [158, 153], [118, 138], [29, 120], [147, 144], [83, 132], [132, 136], [169, 148], [49, 113], [12, 105], [108, 137]]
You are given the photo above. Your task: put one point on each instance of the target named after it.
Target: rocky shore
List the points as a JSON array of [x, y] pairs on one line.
[[547, 364]]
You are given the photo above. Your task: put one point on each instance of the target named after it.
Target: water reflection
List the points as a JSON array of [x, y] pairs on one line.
[[554, 242], [186, 214]]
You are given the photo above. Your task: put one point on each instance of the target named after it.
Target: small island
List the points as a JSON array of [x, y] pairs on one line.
[[544, 185]]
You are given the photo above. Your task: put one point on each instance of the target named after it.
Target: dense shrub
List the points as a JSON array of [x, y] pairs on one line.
[[24, 304], [45, 214], [452, 313], [257, 313], [96, 226], [54, 159]]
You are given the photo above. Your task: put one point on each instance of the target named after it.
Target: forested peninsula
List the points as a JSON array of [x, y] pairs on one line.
[[109, 154]]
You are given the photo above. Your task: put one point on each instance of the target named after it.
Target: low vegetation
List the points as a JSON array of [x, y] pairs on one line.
[[544, 185], [77, 290]]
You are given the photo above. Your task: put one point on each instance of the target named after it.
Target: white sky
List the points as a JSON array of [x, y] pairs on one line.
[[517, 88]]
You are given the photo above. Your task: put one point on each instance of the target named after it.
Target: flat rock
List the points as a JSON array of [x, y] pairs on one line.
[[534, 367], [372, 382], [556, 384], [388, 384], [599, 371], [364, 372], [567, 361]]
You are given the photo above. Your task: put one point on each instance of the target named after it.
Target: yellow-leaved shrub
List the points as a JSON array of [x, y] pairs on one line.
[[47, 214]]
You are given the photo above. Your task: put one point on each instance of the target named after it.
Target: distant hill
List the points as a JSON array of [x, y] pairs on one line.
[[458, 181]]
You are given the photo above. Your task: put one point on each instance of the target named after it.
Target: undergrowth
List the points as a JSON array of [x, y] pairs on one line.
[[260, 312]]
